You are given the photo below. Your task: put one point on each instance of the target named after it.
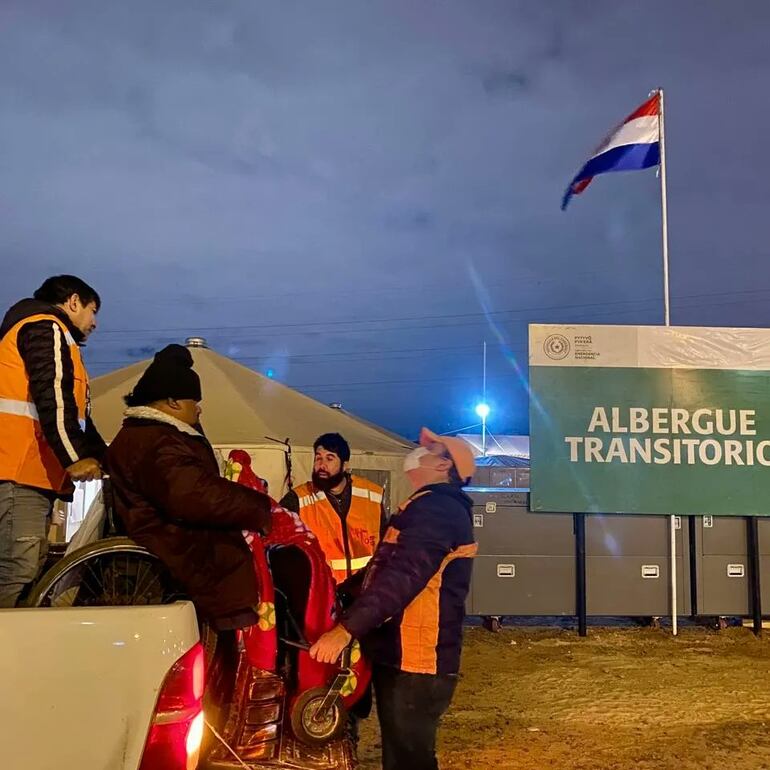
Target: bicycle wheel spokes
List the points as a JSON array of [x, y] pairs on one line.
[[148, 588], [113, 579]]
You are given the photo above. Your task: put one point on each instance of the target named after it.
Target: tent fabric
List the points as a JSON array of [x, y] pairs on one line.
[[385, 431], [241, 405], [243, 409]]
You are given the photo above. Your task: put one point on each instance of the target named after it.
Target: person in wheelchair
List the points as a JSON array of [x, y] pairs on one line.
[[171, 499]]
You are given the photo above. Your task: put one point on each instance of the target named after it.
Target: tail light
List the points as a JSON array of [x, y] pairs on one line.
[[176, 730]]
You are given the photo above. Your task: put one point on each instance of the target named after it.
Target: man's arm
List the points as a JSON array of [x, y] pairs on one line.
[[48, 362], [96, 445], [350, 589]]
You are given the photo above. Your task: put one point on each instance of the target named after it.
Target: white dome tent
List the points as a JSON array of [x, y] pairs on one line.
[[243, 409]]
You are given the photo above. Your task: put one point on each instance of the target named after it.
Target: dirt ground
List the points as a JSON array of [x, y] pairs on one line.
[[621, 698]]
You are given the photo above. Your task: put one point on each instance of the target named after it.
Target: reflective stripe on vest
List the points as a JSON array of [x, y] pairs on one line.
[[25, 409], [306, 500], [19, 408], [375, 497], [355, 564]]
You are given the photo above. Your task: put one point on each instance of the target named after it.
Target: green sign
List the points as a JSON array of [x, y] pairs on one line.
[[650, 419]]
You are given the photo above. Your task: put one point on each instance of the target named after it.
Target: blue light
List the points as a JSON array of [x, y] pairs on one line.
[[270, 373], [482, 410]]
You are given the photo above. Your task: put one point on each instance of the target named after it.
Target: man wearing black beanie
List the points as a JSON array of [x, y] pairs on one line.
[[172, 500]]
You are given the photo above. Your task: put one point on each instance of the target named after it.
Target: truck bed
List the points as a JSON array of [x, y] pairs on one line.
[[78, 685]]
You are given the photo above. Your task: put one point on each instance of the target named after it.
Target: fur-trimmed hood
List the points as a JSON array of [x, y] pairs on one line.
[[155, 415]]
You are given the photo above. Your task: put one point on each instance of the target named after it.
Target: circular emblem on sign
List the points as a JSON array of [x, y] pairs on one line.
[[556, 346]]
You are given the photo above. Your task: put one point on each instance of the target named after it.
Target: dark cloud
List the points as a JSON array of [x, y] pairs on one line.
[[416, 219], [274, 175], [511, 82], [145, 351]]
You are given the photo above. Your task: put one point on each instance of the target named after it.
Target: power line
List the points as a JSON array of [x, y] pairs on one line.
[[313, 328], [326, 333], [387, 383], [305, 327], [366, 355], [392, 319], [380, 291], [343, 356], [357, 383]]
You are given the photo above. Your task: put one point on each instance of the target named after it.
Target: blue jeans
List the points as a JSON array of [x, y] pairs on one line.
[[24, 523], [409, 708]]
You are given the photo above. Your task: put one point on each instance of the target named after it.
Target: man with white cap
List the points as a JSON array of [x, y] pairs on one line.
[[409, 614]]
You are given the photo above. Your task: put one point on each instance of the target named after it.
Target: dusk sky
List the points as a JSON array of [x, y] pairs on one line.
[[357, 195]]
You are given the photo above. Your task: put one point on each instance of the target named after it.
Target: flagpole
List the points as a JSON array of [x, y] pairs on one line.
[[484, 401], [667, 321], [664, 207]]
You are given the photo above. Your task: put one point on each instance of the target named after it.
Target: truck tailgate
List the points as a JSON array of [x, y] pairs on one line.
[[78, 685]]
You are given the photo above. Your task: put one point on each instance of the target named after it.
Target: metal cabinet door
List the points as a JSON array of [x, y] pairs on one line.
[[724, 535], [634, 585], [501, 529], [721, 565], [629, 535], [508, 584], [724, 585]]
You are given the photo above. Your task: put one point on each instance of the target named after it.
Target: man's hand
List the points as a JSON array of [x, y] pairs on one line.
[[87, 469], [330, 646]]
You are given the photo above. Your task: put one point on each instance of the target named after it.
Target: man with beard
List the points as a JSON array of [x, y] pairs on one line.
[[347, 515], [343, 511]]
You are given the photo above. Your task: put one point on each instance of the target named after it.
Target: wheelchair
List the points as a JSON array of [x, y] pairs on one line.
[[113, 572]]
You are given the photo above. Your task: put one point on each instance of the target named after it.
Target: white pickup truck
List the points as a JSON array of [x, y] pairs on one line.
[[105, 670], [100, 687]]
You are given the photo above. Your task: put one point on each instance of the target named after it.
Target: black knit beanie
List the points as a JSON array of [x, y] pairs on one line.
[[170, 375]]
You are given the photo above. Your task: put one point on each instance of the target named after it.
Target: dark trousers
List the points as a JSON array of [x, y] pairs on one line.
[[409, 708]]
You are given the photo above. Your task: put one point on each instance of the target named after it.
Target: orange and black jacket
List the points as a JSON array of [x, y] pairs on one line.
[[410, 611]]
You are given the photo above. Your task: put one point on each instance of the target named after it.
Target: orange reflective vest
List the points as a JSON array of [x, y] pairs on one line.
[[347, 544], [25, 455]]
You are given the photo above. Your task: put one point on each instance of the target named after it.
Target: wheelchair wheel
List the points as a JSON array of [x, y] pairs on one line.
[[107, 573], [312, 731]]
